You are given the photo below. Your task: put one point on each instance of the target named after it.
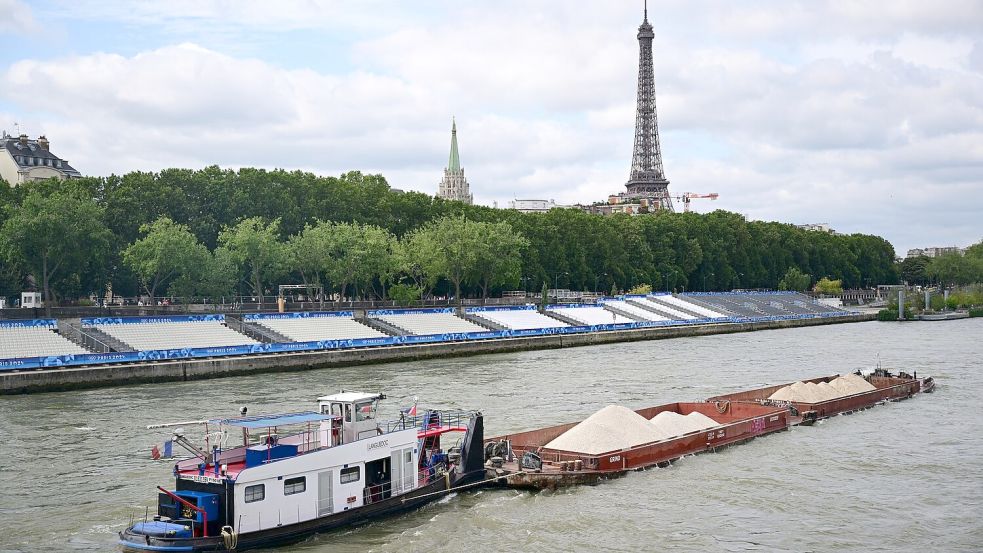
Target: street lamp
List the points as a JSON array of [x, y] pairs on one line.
[[556, 279]]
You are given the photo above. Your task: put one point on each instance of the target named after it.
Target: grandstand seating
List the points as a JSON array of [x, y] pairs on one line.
[[589, 314], [765, 304], [682, 302], [175, 335], [35, 342], [519, 319], [430, 323], [312, 329], [639, 313], [671, 312]]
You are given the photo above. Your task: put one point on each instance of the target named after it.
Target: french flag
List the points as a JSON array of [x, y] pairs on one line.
[[409, 411]]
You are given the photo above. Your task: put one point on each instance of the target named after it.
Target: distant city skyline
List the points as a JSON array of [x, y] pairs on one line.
[[863, 115]]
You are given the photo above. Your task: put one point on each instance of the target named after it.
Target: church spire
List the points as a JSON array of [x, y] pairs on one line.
[[454, 186], [454, 161]]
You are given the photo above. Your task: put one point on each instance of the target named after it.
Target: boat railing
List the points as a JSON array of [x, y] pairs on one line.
[[430, 420]]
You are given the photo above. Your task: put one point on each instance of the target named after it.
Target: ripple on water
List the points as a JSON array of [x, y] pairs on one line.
[[74, 467]]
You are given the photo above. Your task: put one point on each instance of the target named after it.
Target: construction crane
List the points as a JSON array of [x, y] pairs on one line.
[[688, 196]]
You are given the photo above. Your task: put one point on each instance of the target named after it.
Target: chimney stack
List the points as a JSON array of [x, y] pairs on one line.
[[22, 139], [43, 142]]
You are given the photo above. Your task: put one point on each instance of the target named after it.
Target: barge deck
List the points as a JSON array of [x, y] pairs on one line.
[[523, 460]]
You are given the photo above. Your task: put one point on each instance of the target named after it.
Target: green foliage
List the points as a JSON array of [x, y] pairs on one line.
[[829, 287], [887, 315], [405, 294], [976, 312], [641, 289], [914, 270], [956, 269], [795, 280], [253, 245], [545, 297], [614, 290], [719, 250], [56, 234], [167, 253]]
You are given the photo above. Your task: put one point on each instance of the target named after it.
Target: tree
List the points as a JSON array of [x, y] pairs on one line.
[[417, 256], [254, 245], [795, 279], [309, 253], [829, 287], [499, 255], [58, 236], [914, 270], [166, 252], [359, 253], [457, 243]]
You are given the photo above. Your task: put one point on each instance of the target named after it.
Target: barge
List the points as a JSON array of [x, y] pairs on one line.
[[525, 460], [522, 460], [887, 387], [343, 467]]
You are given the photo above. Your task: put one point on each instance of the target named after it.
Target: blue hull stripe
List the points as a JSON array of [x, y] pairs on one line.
[[145, 547]]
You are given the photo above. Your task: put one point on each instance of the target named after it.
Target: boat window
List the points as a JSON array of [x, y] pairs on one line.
[[350, 474], [294, 485], [364, 411], [255, 493], [348, 412]]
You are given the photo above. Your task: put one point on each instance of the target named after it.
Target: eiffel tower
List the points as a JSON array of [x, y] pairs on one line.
[[647, 179]]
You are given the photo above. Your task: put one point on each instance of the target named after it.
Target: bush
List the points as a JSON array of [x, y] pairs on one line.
[[405, 294], [887, 315], [892, 314], [641, 289], [976, 312]]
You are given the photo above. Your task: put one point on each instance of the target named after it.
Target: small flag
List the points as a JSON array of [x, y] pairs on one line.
[[410, 411], [168, 449], [155, 453]]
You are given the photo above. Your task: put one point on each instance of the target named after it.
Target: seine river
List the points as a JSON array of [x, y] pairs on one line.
[[908, 476]]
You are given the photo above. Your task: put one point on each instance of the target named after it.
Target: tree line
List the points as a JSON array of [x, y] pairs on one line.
[[213, 232], [949, 269]]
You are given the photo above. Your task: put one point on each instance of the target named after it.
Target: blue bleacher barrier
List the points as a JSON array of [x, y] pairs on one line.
[[427, 338], [297, 315], [20, 363], [500, 308], [417, 311], [29, 323], [92, 321], [487, 335], [224, 351]]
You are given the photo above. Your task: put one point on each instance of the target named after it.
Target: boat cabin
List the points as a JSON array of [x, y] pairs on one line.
[[354, 414]]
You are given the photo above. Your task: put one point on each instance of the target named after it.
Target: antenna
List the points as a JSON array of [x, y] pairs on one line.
[[646, 10]]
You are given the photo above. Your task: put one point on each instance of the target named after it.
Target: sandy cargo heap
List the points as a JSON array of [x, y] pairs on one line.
[[807, 392], [615, 428]]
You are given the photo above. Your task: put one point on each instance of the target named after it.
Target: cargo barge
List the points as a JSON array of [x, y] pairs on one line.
[[887, 387], [524, 460], [521, 460]]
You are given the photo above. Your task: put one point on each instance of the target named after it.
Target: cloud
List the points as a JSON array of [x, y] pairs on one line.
[[856, 114], [16, 18]]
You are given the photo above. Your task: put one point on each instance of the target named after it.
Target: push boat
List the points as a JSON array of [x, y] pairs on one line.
[[342, 468], [522, 460]]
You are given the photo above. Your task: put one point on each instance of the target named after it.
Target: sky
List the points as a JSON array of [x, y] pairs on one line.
[[866, 115]]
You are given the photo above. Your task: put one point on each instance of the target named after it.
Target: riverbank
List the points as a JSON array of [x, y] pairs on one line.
[[60, 379]]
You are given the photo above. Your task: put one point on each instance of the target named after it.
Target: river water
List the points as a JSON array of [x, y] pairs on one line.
[[907, 476]]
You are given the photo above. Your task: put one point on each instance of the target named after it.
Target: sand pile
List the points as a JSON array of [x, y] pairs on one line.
[[613, 428], [807, 392], [671, 424], [850, 384]]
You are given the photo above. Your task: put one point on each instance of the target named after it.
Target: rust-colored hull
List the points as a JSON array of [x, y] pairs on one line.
[[739, 422], [888, 388]]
